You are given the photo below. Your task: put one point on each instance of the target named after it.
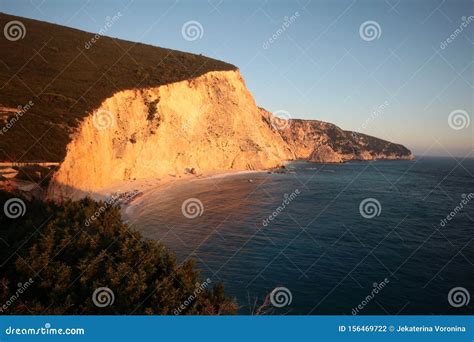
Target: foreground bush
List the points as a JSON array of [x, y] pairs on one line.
[[58, 261]]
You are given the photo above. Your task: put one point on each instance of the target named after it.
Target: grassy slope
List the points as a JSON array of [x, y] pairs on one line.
[[65, 81]]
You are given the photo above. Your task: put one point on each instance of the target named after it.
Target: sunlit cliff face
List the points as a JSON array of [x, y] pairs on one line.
[[210, 124]]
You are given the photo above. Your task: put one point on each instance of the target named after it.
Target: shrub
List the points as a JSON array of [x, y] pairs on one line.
[[152, 110]]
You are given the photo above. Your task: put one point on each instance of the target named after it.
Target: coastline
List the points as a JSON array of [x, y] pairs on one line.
[[145, 187], [150, 185]]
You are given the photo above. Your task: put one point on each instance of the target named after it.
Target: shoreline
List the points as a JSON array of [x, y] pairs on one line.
[[148, 185], [140, 188]]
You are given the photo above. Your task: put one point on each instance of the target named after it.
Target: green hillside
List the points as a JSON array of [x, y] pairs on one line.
[[64, 80]]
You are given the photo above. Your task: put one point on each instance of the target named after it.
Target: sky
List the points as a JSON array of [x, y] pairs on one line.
[[384, 67]]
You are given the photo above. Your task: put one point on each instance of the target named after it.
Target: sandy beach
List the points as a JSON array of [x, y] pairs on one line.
[[141, 188]]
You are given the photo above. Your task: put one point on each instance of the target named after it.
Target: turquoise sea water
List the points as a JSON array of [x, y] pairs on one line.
[[320, 244]]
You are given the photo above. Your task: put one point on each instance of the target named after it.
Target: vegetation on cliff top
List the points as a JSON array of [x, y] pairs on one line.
[[59, 257], [66, 73]]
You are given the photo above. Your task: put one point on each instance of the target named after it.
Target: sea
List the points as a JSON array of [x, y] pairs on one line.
[[358, 238]]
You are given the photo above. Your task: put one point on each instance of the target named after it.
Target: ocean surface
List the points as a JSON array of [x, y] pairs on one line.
[[354, 238]]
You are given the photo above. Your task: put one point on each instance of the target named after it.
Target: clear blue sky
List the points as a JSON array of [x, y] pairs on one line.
[[319, 67]]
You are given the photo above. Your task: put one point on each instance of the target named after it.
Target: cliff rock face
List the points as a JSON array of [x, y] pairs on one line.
[[210, 124], [324, 142]]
